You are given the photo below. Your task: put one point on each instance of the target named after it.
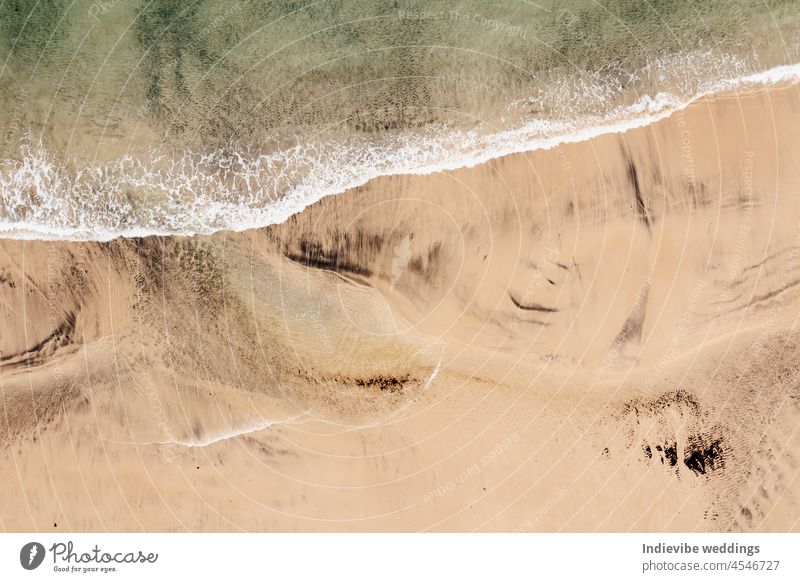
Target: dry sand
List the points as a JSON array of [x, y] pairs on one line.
[[596, 337]]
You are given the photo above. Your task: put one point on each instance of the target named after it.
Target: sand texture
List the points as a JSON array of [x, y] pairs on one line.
[[596, 337]]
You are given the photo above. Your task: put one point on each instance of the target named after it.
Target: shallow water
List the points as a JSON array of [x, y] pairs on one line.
[[125, 118]]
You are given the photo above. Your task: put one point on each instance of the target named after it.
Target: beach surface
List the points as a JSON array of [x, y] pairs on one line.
[[599, 336]]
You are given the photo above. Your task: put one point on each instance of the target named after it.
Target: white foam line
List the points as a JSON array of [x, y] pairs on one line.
[[375, 162], [202, 443], [786, 73]]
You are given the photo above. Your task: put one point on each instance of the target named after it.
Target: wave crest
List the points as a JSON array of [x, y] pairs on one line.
[[239, 189]]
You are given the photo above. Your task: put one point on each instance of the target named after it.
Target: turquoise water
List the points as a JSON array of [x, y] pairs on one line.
[[166, 116]]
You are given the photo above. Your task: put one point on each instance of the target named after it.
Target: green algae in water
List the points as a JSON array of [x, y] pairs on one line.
[[221, 71], [172, 116]]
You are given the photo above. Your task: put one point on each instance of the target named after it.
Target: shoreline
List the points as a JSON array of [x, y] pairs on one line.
[[509, 142], [594, 322]]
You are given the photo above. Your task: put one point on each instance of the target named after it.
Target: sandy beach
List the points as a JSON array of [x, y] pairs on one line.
[[594, 337]]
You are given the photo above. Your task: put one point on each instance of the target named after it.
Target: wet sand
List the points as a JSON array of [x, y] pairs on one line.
[[596, 337]]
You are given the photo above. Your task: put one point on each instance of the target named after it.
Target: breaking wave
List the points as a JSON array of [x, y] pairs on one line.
[[244, 188]]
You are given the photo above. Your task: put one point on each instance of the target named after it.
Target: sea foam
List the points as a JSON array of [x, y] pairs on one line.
[[202, 193]]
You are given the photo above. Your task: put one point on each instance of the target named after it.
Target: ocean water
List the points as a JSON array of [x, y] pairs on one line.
[[125, 118]]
